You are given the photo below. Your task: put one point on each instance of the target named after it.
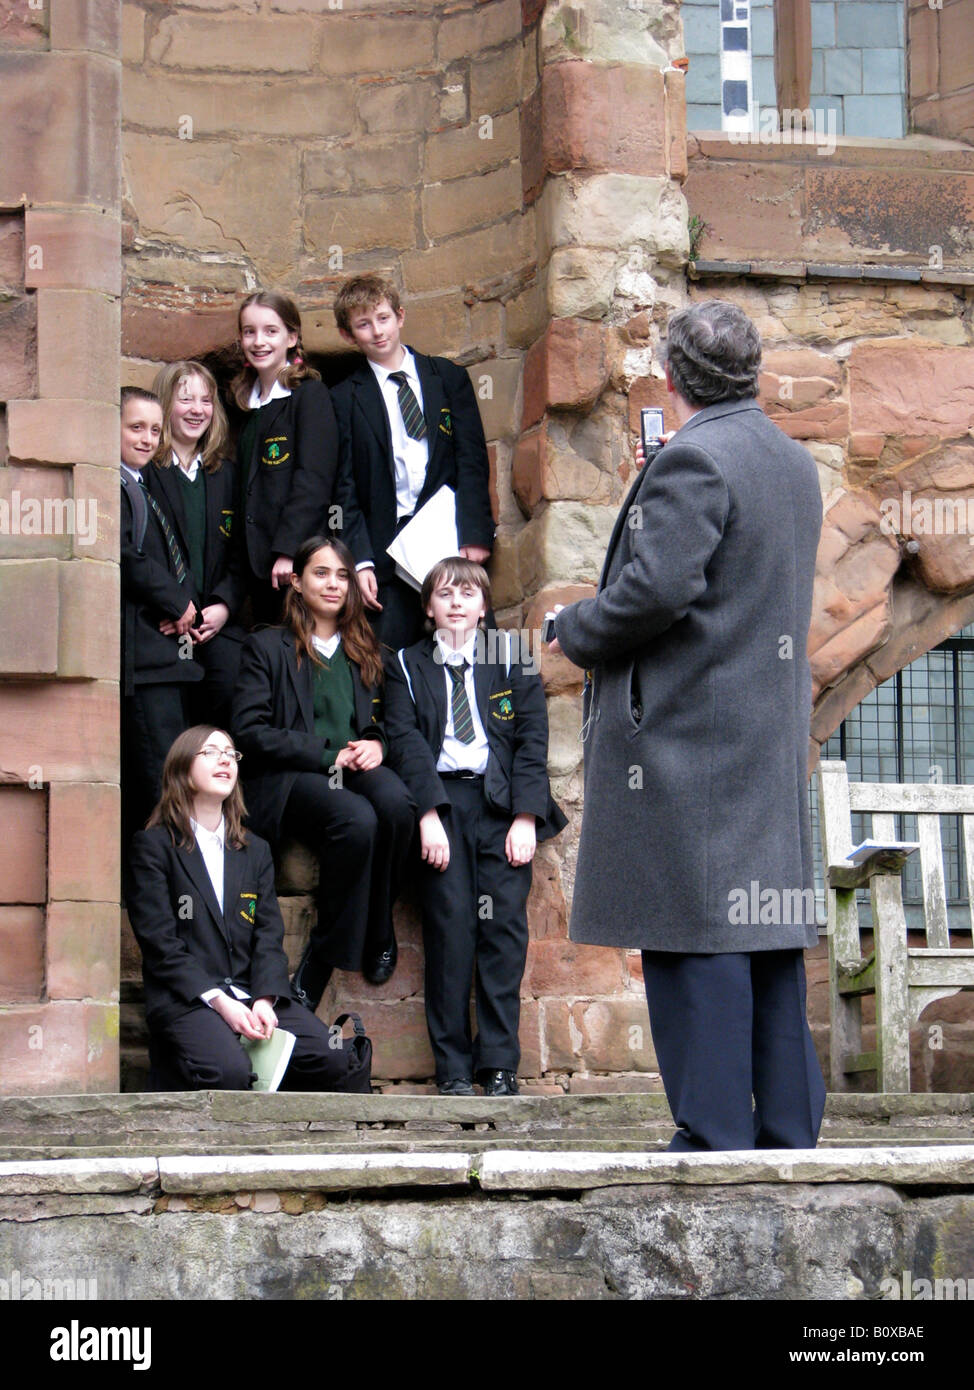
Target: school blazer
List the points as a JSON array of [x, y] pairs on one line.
[[274, 723], [150, 593], [188, 945], [223, 562], [288, 476], [512, 710], [366, 489]]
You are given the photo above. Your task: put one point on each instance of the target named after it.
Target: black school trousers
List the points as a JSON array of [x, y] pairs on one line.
[[206, 1051], [475, 928], [734, 1049]]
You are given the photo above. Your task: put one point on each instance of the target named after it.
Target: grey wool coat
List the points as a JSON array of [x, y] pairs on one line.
[[695, 834]]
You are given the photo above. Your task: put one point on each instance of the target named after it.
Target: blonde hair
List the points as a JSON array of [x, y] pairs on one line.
[[214, 442]]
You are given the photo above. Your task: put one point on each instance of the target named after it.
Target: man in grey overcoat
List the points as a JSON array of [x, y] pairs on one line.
[[695, 843]]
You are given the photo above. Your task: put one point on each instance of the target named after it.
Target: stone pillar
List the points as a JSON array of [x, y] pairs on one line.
[[603, 158], [60, 264]]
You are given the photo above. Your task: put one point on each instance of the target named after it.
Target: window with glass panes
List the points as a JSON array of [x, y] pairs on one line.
[[916, 727]]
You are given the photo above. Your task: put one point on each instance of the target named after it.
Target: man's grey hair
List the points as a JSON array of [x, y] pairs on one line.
[[713, 352]]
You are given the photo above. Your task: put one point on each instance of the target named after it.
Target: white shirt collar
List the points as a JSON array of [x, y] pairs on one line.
[[215, 837], [407, 365], [134, 473], [328, 647], [193, 468], [451, 657], [278, 392]]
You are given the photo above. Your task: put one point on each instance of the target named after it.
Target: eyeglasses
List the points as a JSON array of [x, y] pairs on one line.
[[212, 754]]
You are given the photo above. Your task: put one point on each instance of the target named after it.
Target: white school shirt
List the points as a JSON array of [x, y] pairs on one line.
[[278, 393], [328, 647], [410, 456], [190, 472], [212, 845], [454, 755]]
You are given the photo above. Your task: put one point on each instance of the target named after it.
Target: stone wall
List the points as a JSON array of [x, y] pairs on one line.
[[59, 315], [941, 69]]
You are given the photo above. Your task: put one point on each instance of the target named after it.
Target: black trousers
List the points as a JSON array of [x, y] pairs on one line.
[[211, 698], [734, 1049], [151, 718], [207, 1053], [401, 622], [361, 831], [475, 926]]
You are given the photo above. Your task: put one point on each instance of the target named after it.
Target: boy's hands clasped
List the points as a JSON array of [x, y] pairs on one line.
[[435, 845]]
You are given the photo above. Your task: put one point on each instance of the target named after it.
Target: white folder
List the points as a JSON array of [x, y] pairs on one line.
[[429, 537]]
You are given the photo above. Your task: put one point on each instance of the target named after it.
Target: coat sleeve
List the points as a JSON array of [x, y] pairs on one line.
[[166, 956], [268, 963], [258, 723], [145, 580], [409, 753], [230, 587], [674, 526], [315, 465], [355, 532], [475, 521], [529, 769]]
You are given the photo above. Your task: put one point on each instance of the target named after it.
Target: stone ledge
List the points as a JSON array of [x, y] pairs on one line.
[[942, 1165], [813, 270], [79, 1175], [314, 1171]]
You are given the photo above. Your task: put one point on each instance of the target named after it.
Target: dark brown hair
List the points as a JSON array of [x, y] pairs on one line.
[[174, 809], [358, 639], [214, 442], [295, 369], [454, 570], [363, 292]]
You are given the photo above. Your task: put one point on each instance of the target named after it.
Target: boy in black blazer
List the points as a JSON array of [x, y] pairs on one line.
[[408, 425], [159, 606], [468, 732]]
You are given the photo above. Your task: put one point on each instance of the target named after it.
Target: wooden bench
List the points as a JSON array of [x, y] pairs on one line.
[[904, 979]]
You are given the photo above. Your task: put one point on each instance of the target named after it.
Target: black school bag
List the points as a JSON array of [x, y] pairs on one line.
[[353, 1057]]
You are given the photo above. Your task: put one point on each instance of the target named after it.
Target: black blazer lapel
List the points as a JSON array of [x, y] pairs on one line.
[[373, 407], [301, 681], [169, 485], [431, 673], [192, 860], [434, 399], [483, 682], [234, 909]]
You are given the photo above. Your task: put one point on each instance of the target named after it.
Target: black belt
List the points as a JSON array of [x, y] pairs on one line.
[[462, 776]]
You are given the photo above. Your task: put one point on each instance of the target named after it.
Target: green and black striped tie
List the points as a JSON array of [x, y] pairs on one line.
[[462, 718], [412, 416], [179, 564]]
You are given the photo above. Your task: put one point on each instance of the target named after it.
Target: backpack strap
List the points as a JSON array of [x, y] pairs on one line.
[[405, 671]]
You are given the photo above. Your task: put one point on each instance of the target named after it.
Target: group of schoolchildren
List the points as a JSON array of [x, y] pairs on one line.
[[356, 717]]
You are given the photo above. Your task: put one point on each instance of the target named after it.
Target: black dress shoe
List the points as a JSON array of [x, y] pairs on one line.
[[459, 1086], [499, 1083], [310, 979], [378, 969]]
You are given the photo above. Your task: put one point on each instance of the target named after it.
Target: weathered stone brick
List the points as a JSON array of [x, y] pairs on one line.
[[485, 27], [650, 391], [66, 319], [558, 673], [438, 323], [547, 907], [61, 432], [23, 27], [23, 844], [82, 814], [159, 332], [22, 492], [18, 348], [604, 118], [22, 954], [525, 316], [360, 223], [76, 250], [60, 103], [474, 257], [495, 383], [91, 25], [477, 146], [215, 42], [908, 386], [59, 730], [187, 107], [676, 124], [60, 1048], [495, 82], [602, 29], [505, 582], [396, 107], [363, 164], [12, 250], [86, 648], [376, 44], [30, 588], [133, 34], [564, 968], [565, 545], [565, 370], [461, 204], [613, 210], [748, 205], [529, 1037], [83, 951], [564, 734], [218, 196], [96, 490], [581, 282]]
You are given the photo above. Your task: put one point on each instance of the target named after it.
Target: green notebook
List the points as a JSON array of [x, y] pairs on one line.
[[269, 1058]]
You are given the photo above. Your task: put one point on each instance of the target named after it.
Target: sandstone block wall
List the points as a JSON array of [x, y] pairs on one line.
[[60, 273]]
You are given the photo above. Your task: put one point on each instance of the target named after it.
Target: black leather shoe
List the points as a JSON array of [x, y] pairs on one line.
[[378, 969], [310, 979], [459, 1086], [499, 1083]]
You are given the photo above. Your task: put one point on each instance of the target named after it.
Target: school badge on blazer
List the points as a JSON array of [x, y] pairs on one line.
[[226, 522], [446, 422], [248, 907], [503, 709], [273, 453]]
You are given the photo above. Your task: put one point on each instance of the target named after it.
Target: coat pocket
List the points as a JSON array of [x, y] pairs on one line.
[[632, 695]]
